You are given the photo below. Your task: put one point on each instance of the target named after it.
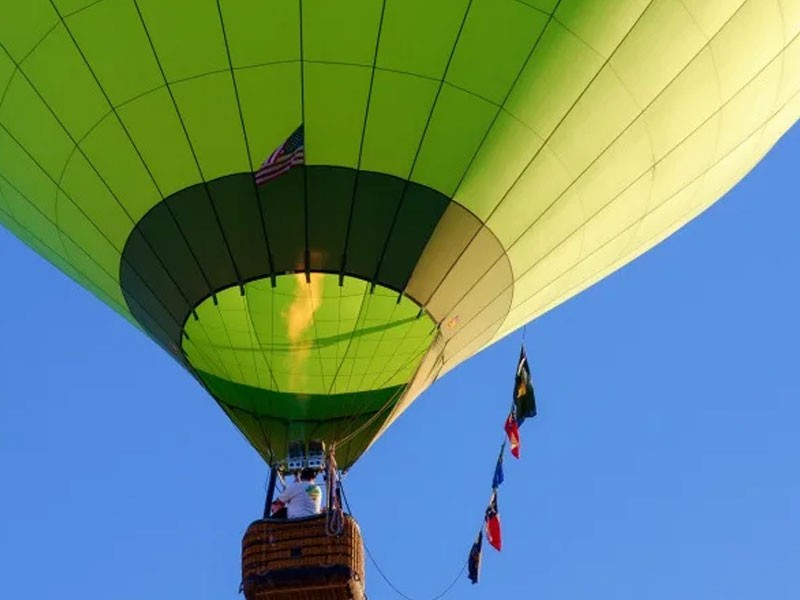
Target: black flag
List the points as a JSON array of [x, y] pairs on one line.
[[475, 559], [524, 400]]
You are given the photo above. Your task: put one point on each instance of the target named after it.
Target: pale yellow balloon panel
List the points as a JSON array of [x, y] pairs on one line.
[[659, 224], [753, 102]]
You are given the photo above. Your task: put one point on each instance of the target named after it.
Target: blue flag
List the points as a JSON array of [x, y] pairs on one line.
[[498, 470]]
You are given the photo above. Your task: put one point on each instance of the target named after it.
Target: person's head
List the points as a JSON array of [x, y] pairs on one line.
[[308, 474]]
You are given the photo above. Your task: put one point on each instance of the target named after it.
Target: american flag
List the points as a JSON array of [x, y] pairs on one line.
[[289, 154]]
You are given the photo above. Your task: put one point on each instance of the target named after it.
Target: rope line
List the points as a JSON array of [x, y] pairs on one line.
[[386, 577]]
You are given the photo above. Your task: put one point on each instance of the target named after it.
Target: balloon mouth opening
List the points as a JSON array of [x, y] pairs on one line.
[[309, 335]]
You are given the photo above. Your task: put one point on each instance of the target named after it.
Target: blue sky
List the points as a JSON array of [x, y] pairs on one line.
[[663, 463]]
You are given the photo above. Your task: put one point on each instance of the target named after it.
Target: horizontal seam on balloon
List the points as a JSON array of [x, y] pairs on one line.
[[586, 44], [314, 62], [83, 8], [94, 288], [533, 8], [35, 46], [91, 286], [18, 63], [73, 241], [635, 251]]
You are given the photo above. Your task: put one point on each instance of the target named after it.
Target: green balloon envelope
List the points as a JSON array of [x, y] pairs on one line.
[[466, 166]]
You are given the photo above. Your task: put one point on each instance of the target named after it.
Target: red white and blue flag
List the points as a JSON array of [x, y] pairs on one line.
[[492, 523], [289, 154]]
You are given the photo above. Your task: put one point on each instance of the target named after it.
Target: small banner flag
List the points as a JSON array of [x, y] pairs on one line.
[[512, 431], [474, 562], [524, 399], [492, 523], [289, 154], [498, 477]]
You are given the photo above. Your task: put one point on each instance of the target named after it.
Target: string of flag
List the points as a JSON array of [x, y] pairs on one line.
[[523, 406]]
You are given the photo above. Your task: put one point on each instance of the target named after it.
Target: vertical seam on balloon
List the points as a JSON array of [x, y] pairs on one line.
[[314, 324], [364, 295], [258, 341], [363, 312], [421, 143], [643, 174], [144, 165], [246, 140], [361, 145], [306, 254], [256, 196], [255, 345], [377, 348], [191, 149], [200, 173], [510, 90]]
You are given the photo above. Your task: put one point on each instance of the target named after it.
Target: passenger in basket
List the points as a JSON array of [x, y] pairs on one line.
[[303, 498]]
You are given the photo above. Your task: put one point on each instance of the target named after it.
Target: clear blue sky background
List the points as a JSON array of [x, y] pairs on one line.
[[663, 465]]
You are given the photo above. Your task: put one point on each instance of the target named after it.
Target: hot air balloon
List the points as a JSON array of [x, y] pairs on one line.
[[451, 170]]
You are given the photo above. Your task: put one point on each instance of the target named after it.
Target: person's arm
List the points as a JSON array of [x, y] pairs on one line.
[[283, 499]]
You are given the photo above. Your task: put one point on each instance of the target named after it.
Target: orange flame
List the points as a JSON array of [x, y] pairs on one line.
[[299, 317]]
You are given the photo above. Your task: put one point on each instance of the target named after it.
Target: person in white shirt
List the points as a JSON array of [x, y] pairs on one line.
[[302, 498]]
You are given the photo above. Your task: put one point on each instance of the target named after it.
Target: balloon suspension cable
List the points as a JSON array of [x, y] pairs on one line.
[[386, 578], [273, 476], [334, 525]]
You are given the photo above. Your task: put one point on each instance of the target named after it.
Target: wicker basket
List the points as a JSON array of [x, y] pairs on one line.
[[297, 560]]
